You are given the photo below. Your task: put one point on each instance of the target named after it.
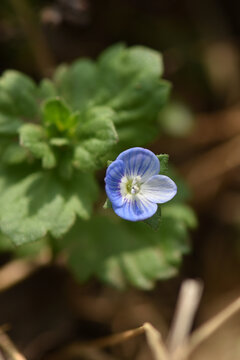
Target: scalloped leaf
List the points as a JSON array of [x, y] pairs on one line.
[[47, 89], [18, 95], [154, 221], [33, 138], [14, 154], [58, 118], [9, 125], [122, 253], [77, 83], [124, 79], [163, 159], [36, 204], [96, 135]]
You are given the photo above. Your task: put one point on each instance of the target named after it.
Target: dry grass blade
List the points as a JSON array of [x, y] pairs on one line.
[[188, 301], [113, 339], [207, 330], [9, 349], [155, 343], [78, 348]]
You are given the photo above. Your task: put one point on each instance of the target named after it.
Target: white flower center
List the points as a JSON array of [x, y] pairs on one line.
[[130, 186], [134, 186]]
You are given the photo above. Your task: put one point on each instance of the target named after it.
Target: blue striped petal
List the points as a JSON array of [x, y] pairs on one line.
[[114, 174], [136, 209], [140, 162], [159, 189]]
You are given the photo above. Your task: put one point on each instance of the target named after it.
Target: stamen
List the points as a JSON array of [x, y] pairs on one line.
[[134, 189], [130, 186], [135, 186]]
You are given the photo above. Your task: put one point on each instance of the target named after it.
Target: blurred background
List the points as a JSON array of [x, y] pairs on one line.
[[200, 46]]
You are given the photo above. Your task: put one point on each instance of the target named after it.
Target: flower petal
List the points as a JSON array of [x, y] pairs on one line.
[[136, 209], [159, 189], [114, 174], [140, 162]]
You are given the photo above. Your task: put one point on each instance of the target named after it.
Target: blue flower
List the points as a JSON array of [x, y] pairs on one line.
[[134, 186]]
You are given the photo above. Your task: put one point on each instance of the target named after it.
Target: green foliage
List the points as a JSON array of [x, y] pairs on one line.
[[181, 212], [122, 253], [46, 90], [55, 135], [154, 221], [32, 249], [33, 138], [38, 203], [57, 116], [14, 154], [28, 250], [125, 79], [78, 110], [107, 204], [18, 95], [163, 159], [96, 135], [183, 191], [9, 125], [6, 244]]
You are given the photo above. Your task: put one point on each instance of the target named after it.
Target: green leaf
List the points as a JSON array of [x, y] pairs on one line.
[[18, 95], [124, 79], [14, 154], [59, 142], [154, 221], [136, 109], [28, 250], [140, 98], [77, 84], [181, 212], [163, 159], [39, 203], [124, 252], [120, 63], [82, 159], [33, 138], [133, 134], [57, 115], [66, 169], [9, 125], [96, 135], [109, 162], [47, 89], [183, 190], [107, 204], [31, 250], [6, 244]]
